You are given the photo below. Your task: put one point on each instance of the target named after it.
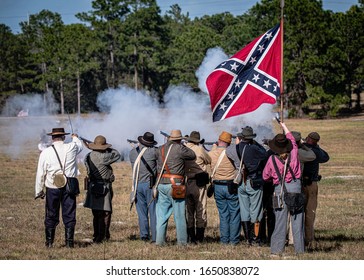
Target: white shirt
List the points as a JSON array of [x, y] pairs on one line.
[[48, 164]]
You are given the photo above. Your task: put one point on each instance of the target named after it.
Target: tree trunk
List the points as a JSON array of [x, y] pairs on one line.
[[61, 92], [78, 93]]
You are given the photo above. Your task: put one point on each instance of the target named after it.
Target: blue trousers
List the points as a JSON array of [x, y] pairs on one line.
[[165, 206], [55, 200], [145, 213], [250, 201], [229, 214]]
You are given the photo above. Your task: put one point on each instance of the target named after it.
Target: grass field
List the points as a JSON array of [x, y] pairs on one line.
[[339, 224]]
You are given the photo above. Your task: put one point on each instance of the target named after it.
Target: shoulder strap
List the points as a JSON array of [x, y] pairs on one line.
[[242, 158], [165, 159], [136, 168], [164, 163], [145, 162], [218, 163], [281, 176], [58, 158]]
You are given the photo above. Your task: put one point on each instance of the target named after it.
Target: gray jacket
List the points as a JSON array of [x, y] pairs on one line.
[[176, 159], [148, 162]]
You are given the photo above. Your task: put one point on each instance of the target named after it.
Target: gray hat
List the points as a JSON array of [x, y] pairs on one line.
[[297, 136], [248, 133], [195, 138], [314, 136]]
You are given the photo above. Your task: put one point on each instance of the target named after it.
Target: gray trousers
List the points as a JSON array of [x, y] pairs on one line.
[[278, 239]]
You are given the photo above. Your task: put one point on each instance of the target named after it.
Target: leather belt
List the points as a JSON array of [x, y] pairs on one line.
[[171, 179], [176, 176], [222, 182]]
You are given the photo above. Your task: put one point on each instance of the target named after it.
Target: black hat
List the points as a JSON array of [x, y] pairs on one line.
[[195, 138], [147, 139], [57, 131], [280, 144]]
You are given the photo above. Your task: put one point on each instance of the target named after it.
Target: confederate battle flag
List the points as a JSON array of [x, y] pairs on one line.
[[248, 79]]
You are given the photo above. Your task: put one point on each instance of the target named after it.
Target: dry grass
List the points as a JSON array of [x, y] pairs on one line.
[[340, 221]]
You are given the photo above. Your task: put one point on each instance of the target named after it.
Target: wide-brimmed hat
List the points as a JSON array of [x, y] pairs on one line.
[[195, 138], [225, 137], [147, 139], [248, 133], [175, 134], [280, 144], [314, 136], [99, 143], [57, 131], [297, 136]]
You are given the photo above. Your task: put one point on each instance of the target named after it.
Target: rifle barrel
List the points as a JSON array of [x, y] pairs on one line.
[[84, 139], [164, 133], [132, 141], [209, 143]]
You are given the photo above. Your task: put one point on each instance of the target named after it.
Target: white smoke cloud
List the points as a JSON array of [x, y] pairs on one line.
[[213, 58], [127, 114]]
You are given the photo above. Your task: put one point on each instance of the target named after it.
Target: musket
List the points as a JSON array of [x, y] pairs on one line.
[[132, 141], [84, 139], [69, 120], [164, 134]]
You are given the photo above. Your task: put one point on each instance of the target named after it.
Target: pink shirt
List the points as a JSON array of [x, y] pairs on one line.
[[269, 172]]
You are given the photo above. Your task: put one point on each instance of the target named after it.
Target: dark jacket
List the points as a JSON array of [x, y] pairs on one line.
[[255, 157], [311, 168]]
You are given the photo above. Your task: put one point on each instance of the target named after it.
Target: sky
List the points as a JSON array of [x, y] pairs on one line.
[[12, 12]]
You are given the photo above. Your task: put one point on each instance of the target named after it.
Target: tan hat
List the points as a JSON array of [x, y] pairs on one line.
[[176, 134], [314, 136], [99, 143], [57, 131], [225, 137]]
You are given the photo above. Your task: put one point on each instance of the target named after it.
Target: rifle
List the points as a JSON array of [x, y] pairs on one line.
[[83, 139], [164, 134], [132, 141], [69, 120]]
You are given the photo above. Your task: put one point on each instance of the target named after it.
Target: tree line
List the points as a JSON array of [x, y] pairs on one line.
[[132, 43]]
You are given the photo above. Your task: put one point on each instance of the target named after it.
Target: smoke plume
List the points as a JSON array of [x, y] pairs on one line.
[[126, 114]]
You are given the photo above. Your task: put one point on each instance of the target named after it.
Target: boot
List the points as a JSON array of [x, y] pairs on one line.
[[191, 235], [107, 220], [200, 234], [49, 233], [246, 229], [254, 233], [69, 234]]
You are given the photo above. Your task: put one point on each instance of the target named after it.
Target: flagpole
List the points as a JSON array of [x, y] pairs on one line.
[[282, 83]]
